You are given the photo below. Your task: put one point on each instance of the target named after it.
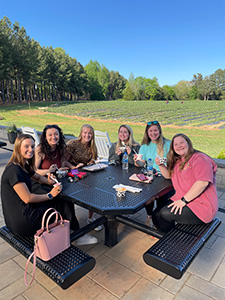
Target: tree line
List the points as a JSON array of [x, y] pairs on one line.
[[29, 72]]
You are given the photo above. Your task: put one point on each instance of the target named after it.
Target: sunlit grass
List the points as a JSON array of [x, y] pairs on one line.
[[189, 118]]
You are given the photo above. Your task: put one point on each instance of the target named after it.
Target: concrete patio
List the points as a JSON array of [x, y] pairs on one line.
[[120, 272]]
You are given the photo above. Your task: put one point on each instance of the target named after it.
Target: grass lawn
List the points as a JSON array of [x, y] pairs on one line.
[[202, 121]]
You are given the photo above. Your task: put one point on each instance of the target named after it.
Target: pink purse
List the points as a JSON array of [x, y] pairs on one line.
[[49, 241]]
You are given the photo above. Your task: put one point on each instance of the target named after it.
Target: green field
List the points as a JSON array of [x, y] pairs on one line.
[[202, 121]]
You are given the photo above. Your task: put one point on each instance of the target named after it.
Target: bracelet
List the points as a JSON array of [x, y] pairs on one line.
[[184, 200]]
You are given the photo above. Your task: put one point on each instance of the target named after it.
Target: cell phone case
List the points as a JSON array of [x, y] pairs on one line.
[[142, 177], [135, 178]]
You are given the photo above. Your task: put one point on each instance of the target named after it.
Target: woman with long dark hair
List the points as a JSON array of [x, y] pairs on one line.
[[50, 154]]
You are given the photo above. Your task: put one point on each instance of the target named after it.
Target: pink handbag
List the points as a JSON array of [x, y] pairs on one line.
[[49, 241]]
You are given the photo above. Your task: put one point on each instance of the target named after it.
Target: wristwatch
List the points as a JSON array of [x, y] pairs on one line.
[[184, 200], [50, 197]]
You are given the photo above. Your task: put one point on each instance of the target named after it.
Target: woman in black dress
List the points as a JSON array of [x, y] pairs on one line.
[[22, 209]]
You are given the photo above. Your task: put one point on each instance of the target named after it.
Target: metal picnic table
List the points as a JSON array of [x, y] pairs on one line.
[[96, 193]]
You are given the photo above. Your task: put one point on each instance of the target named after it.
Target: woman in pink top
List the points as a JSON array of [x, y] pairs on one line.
[[193, 175]]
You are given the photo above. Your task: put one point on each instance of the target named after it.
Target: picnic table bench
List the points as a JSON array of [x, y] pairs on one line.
[[3, 146], [174, 252], [64, 269]]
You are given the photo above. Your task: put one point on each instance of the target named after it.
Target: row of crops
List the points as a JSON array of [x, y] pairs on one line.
[[188, 113]]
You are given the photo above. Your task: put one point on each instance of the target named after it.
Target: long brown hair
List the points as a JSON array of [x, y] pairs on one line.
[[173, 157], [160, 141], [93, 147], [16, 157], [131, 141]]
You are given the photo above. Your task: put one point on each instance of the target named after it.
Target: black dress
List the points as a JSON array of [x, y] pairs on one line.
[[22, 218]]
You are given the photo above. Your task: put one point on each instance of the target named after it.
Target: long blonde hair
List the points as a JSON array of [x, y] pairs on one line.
[[160, 141], [173, 157], [16, 157], [93, 147], [131, 141]]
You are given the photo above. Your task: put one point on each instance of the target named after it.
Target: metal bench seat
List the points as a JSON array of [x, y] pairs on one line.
[[175, 251], [64, 269], [2, 144]]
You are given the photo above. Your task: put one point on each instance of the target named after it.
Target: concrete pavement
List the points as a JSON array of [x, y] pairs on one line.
[[120, 272]]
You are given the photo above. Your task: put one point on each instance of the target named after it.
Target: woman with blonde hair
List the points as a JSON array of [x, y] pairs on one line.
[[126, 143], [83, 151], [153, 145]]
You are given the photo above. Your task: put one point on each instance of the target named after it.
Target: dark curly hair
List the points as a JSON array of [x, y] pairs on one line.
[[44, 146]]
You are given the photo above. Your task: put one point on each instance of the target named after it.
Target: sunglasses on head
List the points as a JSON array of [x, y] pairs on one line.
[[153, 123]]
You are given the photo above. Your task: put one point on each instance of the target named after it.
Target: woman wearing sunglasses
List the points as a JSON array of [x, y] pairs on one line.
[[153, 145]]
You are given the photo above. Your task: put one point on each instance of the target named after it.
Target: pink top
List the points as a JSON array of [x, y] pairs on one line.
[[200, 167]]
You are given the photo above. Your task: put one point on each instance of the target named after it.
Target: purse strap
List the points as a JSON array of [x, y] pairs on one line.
[[34, 266], [56, 221], [44, 216]]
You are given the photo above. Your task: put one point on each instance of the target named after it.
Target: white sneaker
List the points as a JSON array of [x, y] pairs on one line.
[[149, 222], [90, 220], [86, 239]]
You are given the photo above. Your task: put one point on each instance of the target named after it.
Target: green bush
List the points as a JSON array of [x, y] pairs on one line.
[[221, 155]]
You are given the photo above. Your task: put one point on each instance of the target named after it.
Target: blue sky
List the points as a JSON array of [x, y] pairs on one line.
[[169, 39]]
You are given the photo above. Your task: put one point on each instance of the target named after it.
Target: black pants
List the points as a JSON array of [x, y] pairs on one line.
[[159, 202], [65, 208], [164, 220]]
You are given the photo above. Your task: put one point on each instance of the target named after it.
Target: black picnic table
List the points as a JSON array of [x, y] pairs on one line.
[[96, 193]]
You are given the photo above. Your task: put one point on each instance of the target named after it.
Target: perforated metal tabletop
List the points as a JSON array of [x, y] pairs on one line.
[[96, 191]]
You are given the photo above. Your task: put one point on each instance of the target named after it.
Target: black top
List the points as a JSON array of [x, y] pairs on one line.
[[25, 219], [18, 215], [118, 158]]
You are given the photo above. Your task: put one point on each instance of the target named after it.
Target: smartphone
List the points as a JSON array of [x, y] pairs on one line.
[[142, 177]]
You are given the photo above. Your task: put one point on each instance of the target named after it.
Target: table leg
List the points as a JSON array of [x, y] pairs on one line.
[[111, 231]]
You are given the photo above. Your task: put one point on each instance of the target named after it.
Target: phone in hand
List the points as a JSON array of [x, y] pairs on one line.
[[142, 177]]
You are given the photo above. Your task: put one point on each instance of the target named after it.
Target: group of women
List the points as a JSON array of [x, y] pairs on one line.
[[26, 186]]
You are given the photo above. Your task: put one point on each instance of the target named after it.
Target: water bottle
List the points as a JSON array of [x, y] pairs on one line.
[[149, 167], [125, 161]]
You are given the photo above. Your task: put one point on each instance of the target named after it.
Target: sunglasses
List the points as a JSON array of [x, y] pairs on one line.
[[153, 123]]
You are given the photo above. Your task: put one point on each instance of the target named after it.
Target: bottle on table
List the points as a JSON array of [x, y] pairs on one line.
[[149, 167], [125, 161]]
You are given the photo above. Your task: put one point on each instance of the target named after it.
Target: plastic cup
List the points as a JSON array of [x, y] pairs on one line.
[[120, 192], [139, 156]]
